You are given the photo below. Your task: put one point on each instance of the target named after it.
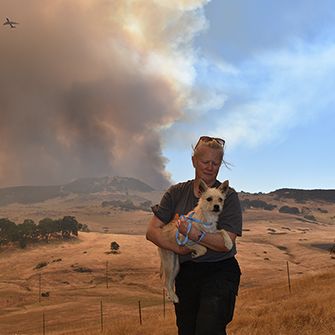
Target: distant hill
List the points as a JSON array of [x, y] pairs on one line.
[[106, 184], [34, 194], [305, 195], [28, 194]]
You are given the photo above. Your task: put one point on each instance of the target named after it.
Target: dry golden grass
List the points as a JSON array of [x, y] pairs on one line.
[[269, 310], [309, 309], [264, 306], [153, 324]]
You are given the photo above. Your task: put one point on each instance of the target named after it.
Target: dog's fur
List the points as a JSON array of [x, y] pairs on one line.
[[209, 207]]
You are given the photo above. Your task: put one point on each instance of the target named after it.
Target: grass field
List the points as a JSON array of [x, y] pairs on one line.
[[75, 276], [271, 310]]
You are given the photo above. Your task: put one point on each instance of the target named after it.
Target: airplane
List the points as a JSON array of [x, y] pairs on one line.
[[11, 23]]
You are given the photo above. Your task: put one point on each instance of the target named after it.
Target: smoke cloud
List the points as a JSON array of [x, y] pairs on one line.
[[87, 86]]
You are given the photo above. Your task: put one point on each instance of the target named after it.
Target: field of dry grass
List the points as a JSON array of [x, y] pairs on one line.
[[309, 309], [75, 276]]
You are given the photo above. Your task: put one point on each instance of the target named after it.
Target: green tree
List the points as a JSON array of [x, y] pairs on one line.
[[69, 225], [47, 227], [8, 231], [27, 231]]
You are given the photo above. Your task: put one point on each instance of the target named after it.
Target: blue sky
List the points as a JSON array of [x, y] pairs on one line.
[[266, 70], [133, 84]]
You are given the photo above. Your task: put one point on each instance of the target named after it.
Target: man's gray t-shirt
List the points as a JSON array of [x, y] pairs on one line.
[[180, 199]]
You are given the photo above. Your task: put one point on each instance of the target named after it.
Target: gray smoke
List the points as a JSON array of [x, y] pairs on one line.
[[86, 87]]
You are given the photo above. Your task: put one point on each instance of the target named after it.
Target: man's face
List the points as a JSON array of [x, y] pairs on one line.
[[207, 164]]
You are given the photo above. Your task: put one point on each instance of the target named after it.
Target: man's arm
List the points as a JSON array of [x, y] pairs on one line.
[[155, 235], [214, 241]]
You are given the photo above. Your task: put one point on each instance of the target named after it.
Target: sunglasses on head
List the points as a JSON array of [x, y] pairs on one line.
[[209, 139]]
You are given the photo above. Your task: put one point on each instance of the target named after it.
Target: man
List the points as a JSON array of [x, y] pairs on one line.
[[206, 286]]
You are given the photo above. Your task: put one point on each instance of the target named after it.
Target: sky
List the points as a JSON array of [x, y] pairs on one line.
[[125, 87]]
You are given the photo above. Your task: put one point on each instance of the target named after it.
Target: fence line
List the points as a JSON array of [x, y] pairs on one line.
[[106, 274], [164, 303], [101, 317], [140, 311], [288, 277], [43, 323], [140, 307], [39, 287]]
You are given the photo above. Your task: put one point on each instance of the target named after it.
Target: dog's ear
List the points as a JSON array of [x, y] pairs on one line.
[[202, 186], [224, 186]]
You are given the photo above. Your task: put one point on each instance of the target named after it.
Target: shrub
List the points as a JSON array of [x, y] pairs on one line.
[[310, 217], [289, 210], [41, 265], [247, 203]]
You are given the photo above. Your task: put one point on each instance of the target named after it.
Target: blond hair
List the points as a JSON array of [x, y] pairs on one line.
[[213, 144]]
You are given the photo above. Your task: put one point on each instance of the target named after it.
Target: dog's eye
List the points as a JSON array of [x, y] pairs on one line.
[[220, 199], [209, 199]]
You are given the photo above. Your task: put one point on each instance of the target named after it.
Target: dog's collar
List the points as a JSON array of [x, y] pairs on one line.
[[186, 239], [191, 218]]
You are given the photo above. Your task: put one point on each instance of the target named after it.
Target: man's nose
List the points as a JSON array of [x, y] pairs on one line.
[[210, 165]]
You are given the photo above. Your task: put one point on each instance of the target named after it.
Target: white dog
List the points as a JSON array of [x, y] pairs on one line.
[[205, 217]]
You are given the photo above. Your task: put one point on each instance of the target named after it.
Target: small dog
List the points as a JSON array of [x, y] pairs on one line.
[[205, 217]]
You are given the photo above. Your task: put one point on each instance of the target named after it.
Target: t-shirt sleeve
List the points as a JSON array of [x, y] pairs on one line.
[[165, 210], [231, 217]]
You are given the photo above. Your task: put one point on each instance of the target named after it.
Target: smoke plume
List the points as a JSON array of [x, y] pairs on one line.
[[87, 86]]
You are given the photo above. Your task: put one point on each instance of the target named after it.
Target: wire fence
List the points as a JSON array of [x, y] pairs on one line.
[[45, 319], [101, 313]]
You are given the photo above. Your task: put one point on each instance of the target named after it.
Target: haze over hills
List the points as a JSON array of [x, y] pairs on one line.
[[35, 194], [116, 184]]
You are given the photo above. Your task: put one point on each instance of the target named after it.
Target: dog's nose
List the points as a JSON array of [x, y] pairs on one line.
[[216, 208]]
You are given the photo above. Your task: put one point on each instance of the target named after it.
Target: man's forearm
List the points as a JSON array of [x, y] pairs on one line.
[[166, 241]]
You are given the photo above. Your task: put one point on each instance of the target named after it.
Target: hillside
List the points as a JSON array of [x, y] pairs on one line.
[[73, 275], [73, 278], [130, 186], [35, 194], [305, 195], [122, 205]]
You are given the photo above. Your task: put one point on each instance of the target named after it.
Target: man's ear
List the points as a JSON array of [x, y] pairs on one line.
[[224, 186], [193, 161], [202, 186]]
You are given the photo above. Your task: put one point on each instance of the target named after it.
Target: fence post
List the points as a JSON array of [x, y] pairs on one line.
[[288, 277], [140, 311], [39, 286], [164, 303], [101, 317], [106, 274], [43, 323]]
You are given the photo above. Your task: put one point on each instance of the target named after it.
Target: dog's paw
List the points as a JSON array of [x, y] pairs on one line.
[[194, 255], [198, 250], [228, 242], [173, 297], [198, 254], [175, 300]]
